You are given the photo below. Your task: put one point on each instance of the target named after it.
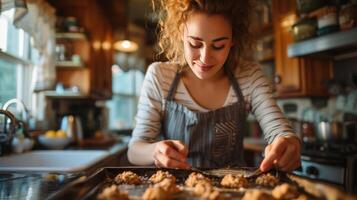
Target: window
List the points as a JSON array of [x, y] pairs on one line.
[[7, 85], [126, 91], [15, 53]]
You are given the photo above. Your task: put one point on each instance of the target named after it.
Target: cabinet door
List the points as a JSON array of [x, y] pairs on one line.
[[295, 77], [287, 70], [101, 57]]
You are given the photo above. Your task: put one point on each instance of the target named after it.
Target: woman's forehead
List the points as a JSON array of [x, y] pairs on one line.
[[207, 27]]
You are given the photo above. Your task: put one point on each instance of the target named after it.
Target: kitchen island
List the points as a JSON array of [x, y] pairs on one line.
[[41, 185]]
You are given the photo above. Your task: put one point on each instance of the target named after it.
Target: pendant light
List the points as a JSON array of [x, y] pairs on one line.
[[126, 45]]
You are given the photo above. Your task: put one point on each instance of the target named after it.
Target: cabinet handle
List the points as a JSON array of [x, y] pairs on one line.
[[277, 79]]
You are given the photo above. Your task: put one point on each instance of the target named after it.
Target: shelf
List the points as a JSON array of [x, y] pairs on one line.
[[69, 64], [336, 42], [65, 94], [71, 36]]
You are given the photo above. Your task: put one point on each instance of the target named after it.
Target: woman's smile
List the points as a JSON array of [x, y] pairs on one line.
[[204, 68]]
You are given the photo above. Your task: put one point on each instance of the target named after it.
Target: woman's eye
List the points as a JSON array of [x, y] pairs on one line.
[[218, 47], [195, 46]]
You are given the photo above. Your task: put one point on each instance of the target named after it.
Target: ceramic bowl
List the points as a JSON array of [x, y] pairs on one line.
[[54, 142]]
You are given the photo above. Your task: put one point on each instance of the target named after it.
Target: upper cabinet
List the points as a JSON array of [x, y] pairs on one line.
[[88, 55], [295, 77]]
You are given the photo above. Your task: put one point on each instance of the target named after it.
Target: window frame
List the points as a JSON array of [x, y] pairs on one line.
[[22, 62]]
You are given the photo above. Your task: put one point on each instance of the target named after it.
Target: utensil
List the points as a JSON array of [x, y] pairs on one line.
[[252, 174]]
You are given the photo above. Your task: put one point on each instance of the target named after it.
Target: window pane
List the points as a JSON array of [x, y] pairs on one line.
[[122, 112], [124, 82], [8, 83]]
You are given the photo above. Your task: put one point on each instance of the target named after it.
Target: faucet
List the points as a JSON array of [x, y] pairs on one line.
[[20, 123], [25, 112]]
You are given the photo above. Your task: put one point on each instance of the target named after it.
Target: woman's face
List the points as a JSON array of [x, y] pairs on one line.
[[207, 41]]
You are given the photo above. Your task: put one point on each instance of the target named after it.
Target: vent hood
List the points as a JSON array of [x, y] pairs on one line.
[[338, 45]]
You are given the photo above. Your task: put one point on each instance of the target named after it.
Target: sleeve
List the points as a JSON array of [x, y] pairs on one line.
[[265, 109], [148, 117]]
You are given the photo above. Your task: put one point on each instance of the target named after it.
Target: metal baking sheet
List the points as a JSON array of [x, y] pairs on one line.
[[89, 188]]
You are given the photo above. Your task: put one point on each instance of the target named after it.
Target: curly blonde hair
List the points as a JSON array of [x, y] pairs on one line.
[[174, 13]]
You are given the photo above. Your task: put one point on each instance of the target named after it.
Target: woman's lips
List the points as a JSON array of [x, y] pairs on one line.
[[205, 68]]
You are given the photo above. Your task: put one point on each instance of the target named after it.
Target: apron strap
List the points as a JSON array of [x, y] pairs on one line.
[[234, 83], [173, 86]]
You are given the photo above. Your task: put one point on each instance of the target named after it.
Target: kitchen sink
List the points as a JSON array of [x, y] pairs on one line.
[[52, 160]]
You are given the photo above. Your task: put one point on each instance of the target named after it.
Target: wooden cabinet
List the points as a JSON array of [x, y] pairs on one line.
[[95, 78], [295, 77]]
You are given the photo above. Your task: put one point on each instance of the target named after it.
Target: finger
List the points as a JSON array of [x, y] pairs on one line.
[[278, 147], [267, 150], [180, 147], [158, 163], [170, 163], [167, 150], [290, 154], [292, 166]]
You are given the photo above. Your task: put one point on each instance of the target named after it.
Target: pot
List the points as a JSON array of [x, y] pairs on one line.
[[328, 131]]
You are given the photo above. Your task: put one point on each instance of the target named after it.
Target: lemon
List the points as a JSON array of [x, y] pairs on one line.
[[61, 134], [50, 134]]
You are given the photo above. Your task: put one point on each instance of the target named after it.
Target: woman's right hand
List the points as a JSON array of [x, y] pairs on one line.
[[171, 154]]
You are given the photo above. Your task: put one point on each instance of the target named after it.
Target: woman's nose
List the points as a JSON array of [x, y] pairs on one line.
[[205, 55]]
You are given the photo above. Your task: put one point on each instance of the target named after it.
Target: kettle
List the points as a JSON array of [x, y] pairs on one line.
[[73, 127]]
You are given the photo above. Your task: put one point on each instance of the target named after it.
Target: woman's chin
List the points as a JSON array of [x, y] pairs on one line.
[[204, 75]]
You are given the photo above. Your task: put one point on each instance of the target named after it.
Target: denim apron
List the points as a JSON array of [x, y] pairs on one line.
[[215, 138]]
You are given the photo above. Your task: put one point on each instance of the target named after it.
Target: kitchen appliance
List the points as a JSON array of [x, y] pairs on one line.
[[333, 162], [93, 117], [72, 125]]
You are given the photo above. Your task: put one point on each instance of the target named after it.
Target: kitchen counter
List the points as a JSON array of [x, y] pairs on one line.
[[41, 185]]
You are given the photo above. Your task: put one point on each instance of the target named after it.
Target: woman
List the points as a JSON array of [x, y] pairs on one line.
[[192, 109]]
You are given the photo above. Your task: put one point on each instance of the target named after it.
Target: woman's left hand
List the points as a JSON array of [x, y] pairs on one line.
[[283, 153]]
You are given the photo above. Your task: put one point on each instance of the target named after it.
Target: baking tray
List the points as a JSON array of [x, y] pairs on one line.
[[87, 188]]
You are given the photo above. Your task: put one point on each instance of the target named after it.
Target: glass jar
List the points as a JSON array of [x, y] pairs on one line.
[[304, 29], [348, 16]]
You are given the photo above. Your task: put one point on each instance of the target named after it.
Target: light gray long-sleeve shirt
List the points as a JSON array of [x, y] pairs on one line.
[[256, 89]]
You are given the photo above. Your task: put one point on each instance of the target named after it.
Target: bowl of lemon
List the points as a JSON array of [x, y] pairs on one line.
[[54, 139]]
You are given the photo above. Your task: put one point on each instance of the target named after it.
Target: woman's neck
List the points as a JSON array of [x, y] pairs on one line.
[[192, 78], [208, 93]]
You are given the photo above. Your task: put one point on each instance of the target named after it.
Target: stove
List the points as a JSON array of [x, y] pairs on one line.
[[333, 162]]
